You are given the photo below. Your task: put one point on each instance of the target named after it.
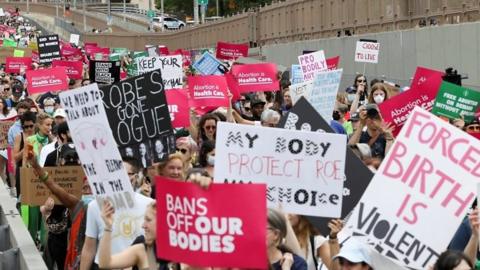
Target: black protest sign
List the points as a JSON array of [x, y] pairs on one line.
[[48, 49], [303, 116], [104, 72], [139, 118]]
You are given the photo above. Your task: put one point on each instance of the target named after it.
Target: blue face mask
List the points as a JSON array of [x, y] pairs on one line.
[[86, 199]]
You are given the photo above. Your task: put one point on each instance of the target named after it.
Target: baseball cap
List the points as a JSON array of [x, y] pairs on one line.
[[355, 116], [60, 113], [20, 79], [355, 252]]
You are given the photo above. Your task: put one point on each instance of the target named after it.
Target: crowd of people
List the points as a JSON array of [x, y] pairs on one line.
[[82, 233]]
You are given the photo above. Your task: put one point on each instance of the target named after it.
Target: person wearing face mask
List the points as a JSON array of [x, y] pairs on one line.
[[49, 106], [49, 95], [378, 95], [206, 157]]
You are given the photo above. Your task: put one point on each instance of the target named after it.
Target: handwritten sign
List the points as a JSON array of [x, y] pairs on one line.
[[170, 67], [106, 72], [323, 92], [4, 127], [367, 52], [311, 64]]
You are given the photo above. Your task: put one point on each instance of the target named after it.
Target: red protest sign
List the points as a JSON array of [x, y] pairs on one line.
[[44, 80], [69, 51], [208, 91], [163, 50], [35, 57], [74, 68], [332, 63], [424, 89], [177, 101], [14, 64], [255, 78], [218, 227], [228, 51]]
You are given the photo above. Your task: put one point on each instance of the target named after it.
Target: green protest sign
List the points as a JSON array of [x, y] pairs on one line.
[[120, 51], [140, 54], [452, 101], [114, 57], [9, 43]]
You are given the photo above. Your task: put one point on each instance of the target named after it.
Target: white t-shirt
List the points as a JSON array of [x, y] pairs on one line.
[[127, 224], [318, 241]]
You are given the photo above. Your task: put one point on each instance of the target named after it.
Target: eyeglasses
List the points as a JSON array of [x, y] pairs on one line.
[[183, 151], [27, 126], [210, 127], [473, 128], [6, 89], [360, 81]]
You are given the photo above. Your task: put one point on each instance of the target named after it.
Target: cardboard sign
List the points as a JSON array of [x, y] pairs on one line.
[[228, 51], [96, 146], [74, 39], [454, 101], [15, 64], [4, 127], [178, 107], [74, 69], [208, 91], [44, 80], [429, 176], [323, 92], [311, 64], [10, 52], [106, 72], [302, 116], [367, 52], [35, 192], [170, 67], [255, 78], [304, 171], [138, 115], [209, 65], [422, 93], [218, 227], [48, 48]]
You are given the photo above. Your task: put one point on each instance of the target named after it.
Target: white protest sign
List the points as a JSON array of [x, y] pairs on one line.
[[311, 64], [74, 39], [96, 147], [299, 90], [1, 12], [421, 192], [323, 93], [367, 52], [304, 171], [152, 50], [170, 67]]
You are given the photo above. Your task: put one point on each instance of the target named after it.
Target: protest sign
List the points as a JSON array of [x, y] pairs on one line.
[[68, 51], [367, 52], [4, 127], [454, 101], [106, 72], [15, 64], [429, 176], [332, 63], [296, 74], [10, 52], [44, 80], [170, 67], [74, 39], [302, 116], [323, 92], [304, 170], [178, 107], [138, 115], [218, 227], [229, 51], [48, 48], [96, 146], [311, 64], [255, 78], [422, 93], [209, 65], [74, 69], [7, 42], [35, 192], [163, 50], [18, 53], [300, 90], [208, 91]]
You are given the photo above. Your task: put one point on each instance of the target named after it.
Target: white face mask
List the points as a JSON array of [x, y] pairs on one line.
[[211, 160], [379, 99]]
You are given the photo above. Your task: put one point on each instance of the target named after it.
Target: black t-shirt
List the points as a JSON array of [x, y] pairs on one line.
[[378, 147]]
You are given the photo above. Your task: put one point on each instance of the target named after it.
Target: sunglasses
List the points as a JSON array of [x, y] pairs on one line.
[[210, 127], [27, 126], [360, 81], [183, 151], [473, 128]]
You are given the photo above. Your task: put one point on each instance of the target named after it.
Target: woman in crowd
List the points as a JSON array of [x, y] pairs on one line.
[[27, 121], [187, 147], [5, 113], [359, 92], [206, 156], [207, 128], [279, 256], [453, 260], [172, 168], [379, 94]]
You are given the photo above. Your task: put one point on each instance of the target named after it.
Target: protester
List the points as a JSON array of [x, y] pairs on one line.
[[207, 128], [173, 167], [353, 256], [378, 94], [206, 157], [27, 124], [188, 148], [359, 92]]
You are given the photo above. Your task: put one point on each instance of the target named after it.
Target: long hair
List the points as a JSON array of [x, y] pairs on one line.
[[207, 147], [201, 123], [5, 109], [450, 259], [375, 87], [304, 230]]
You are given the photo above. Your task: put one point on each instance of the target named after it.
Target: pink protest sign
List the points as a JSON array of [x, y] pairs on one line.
[[229, 51], [208, 91], [255, 78], [332, 63], [44, 80], [311, 64], [15, 64], [178, 107], [218, 227], [74, 69], [424, 89], [429, 176]]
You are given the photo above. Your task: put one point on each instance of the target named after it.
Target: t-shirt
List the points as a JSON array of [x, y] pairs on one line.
[[378, 147], [298, 264], [127, 224], [318, 241], [337, 127]]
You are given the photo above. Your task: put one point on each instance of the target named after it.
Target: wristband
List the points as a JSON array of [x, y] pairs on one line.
[[44, 177]]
